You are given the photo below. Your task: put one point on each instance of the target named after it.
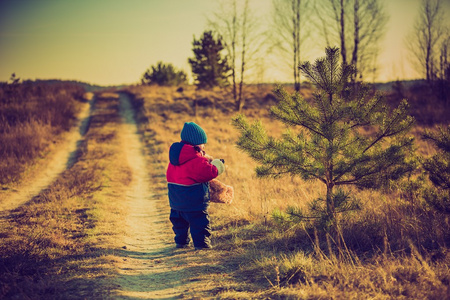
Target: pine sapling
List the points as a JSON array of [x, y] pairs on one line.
[[327, 139], [438, 169]]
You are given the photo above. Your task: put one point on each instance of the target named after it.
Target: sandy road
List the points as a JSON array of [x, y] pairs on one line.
[[149, 266], [57, 162], [144, 271]]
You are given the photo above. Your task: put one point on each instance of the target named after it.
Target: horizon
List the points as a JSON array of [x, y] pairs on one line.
[[114, 42], [286, 83]]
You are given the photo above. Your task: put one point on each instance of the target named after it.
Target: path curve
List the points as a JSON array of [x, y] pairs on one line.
[[57, 162]]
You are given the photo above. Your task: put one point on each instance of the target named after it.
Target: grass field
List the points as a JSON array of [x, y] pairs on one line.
[[396, 246], [53, 247], [33, 117], [59, 245]]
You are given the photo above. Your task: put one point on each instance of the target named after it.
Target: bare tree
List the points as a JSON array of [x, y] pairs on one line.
[[356, 23], [369, 27], [442, 83], [341, 21], [333, 20], [238, 26], [290, 30], [244, 36], [226, 23], [423, 41], [357, 26], [444, 64]]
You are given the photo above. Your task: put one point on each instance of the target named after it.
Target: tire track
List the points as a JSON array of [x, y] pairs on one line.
[[144, 271], [56, 163]]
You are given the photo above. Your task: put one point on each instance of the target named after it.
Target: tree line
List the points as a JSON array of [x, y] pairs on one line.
[[235, 45]]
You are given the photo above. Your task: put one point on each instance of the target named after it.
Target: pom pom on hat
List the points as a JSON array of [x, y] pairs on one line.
[[193, 134]]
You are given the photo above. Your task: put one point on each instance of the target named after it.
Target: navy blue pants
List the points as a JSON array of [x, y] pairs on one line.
[[197, 222]]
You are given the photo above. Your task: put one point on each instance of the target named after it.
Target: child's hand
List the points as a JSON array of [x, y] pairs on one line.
[[209, 157]]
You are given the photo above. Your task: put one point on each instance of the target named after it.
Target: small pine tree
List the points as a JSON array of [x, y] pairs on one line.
[[164, 74], [209, 68], [438, 168], [332, 145]]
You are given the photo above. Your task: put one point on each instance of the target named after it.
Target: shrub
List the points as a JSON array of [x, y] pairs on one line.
[[164, 74]]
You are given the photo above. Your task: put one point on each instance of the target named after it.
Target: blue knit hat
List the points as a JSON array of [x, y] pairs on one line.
[[193, 134]]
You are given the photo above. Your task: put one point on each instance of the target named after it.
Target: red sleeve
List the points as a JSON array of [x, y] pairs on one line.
[[201, 170]]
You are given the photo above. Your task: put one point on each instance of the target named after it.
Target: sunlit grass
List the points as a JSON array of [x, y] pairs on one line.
[[61, 242], [379, 259], [33, 116], [54, 246]]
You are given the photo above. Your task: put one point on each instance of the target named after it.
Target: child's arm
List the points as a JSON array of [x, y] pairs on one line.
[[208, 157], [205, 171]]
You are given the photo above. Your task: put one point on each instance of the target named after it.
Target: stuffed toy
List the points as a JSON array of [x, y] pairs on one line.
[[220, 192]]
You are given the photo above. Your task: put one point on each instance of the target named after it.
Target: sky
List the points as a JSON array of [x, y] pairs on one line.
[[112, 42]]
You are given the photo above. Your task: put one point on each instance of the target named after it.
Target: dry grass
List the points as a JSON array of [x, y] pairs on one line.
[[32, 117], [429, 103], [53, 247], [397, 245]]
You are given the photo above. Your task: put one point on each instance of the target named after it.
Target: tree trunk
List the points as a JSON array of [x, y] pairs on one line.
[[342, 35], [233, 50], [240, 101], [428, 51], [330, 203], [334, 229], [296, 41], [356, 37]]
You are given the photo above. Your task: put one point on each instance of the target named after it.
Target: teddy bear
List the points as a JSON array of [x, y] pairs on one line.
[[220, 192]]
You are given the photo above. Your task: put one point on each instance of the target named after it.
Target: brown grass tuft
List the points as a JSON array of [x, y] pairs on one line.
[[32, 117]]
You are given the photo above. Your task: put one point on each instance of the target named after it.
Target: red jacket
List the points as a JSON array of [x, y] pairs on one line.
[[187, 176]]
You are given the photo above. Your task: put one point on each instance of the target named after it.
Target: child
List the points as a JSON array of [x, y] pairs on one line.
[[188, 174]]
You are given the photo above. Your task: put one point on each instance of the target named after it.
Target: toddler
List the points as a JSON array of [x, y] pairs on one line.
[[188, 176]]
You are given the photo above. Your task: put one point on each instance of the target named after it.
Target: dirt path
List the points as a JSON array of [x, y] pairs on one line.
[[149, 266], [147, 263], [145, 268], [57, 162]]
